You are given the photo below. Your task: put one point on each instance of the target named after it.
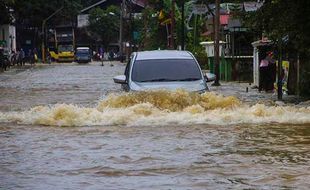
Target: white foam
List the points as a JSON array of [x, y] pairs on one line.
[[148, 109]]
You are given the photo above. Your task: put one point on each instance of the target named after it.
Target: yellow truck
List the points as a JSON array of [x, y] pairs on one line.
[[65, 53], [63, 42]]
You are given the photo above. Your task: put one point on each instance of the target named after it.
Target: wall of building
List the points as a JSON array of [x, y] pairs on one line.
[[8, 37]]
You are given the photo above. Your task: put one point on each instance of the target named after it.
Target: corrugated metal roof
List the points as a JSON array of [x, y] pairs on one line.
[[252, 6]]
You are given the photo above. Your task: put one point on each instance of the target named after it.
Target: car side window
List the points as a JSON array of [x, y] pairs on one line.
[[127, 69]]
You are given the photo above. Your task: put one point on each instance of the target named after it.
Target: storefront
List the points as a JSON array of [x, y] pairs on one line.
[[260, 47]]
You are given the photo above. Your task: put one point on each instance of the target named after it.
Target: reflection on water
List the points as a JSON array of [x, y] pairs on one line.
[[160, 108], [155, 140], [162, 157]]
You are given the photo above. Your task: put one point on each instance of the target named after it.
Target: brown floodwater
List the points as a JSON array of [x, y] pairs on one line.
[[70, 127]]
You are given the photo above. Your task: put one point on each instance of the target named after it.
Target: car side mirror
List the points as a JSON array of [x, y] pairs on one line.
[[209, 77], [120, 79]]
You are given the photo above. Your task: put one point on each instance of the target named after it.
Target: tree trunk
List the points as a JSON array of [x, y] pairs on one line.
[[292, 76]]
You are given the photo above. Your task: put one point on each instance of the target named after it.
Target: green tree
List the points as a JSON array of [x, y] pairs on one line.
[[33, 12], [153, 36], [284, 18], [5, 16], [105, 24]]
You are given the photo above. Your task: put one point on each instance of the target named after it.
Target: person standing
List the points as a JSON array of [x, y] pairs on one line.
[[101, 54], [35, 55], [22, 56], [30, 56], [271, 72], [263, 72]]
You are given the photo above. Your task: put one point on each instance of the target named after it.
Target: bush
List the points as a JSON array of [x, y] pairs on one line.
[[305, 76]]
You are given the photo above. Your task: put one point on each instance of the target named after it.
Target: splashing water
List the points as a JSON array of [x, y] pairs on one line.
[[160, 108]]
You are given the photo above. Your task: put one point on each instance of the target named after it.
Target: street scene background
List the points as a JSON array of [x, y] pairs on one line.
[[105, 144], [65, 124]]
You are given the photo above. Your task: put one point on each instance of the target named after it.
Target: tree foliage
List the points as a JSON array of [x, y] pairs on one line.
[[33, 12], [289, 20], [5, 15], [105, 23], [279, 18]]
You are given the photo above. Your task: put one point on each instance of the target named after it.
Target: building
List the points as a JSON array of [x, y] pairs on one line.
[[237, 56], [8, 37]]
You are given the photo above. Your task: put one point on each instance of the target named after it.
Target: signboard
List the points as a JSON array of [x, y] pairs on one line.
[[2, 43], [82, 20], [200, 9]]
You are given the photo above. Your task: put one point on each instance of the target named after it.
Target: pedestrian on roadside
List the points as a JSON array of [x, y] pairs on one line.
[[48, 57], [13, 58], [111, 55], [18, 58], [30, 56], [271, 72], [22, 56], [101, 53], [35, 55], [263, 72]]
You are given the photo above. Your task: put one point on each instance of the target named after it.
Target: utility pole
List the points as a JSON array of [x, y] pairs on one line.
[[298, 75], [121, 30], [182, 26], [43, 32], [216, 44], [280, 69], [172, 23]]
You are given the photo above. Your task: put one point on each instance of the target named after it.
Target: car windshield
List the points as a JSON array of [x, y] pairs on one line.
[[65, 48], [82, 51], [163, 70]]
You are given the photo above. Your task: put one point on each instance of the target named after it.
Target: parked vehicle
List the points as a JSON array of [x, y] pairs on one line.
[[65, 53], [61, 44], [83, 55], [4, 59], [162, 69]]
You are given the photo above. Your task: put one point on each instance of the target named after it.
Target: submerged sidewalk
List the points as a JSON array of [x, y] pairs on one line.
[[248, 95]]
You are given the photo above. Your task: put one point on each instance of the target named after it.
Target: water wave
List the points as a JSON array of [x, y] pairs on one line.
[[160, 108]]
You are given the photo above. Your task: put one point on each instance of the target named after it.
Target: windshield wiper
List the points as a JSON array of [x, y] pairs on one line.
[[188, 79], [169, 80], [158, 80]]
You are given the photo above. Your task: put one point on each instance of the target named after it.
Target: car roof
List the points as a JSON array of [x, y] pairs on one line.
[[163, 54]]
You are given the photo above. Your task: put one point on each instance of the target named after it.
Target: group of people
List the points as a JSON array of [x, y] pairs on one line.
[[20, 57], [106, 55], [267, 70]]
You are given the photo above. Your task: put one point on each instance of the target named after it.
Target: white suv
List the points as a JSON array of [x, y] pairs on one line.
[[162, 69]]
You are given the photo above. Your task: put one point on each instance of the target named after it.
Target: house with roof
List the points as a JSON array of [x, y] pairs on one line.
[[84, 38], [237, 50]]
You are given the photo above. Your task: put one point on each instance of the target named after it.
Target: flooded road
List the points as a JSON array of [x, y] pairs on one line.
[[71, 127]]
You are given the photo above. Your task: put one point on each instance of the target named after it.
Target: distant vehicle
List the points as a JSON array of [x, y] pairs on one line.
[[163, 69], [83, 55], [61, 44], [65, 53]]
